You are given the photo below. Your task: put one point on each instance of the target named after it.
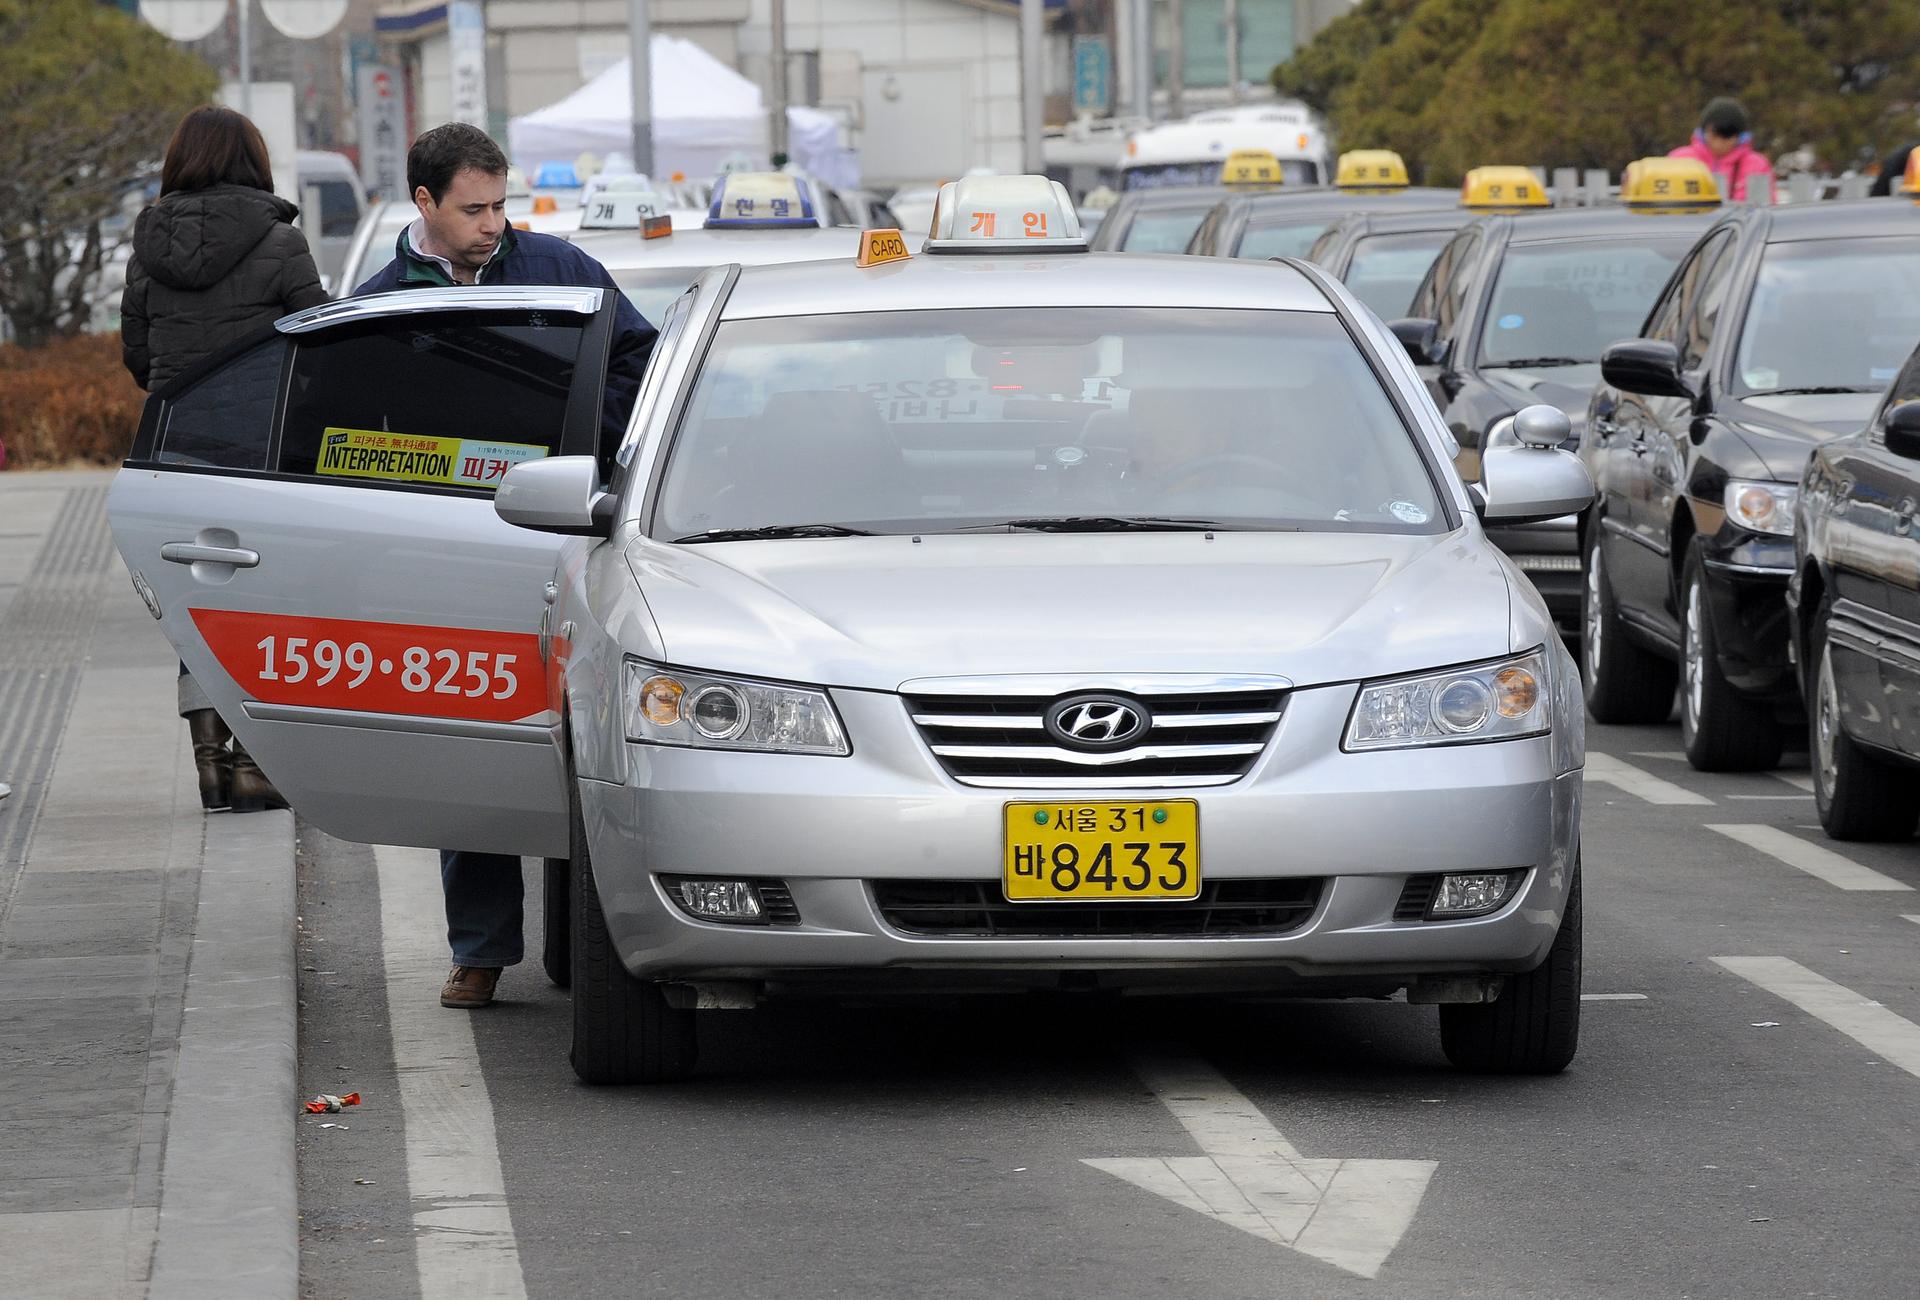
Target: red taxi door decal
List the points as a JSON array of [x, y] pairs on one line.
[[397, 668]]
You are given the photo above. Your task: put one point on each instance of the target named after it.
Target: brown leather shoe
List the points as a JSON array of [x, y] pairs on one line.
[[468, 987], [252, 792], [211, 760]]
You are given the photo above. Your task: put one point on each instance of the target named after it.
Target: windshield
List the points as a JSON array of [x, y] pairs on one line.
[[1282, 238], [933, 421], [1562, 303], [1386, 269], [1159, 176], [1163, 231], [1831, 314], [652, 289]]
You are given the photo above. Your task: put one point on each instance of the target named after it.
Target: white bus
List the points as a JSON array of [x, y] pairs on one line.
[[1190, 152]]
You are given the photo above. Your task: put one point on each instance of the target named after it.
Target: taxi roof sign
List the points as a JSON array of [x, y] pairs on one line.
[[1668, 185], [996, 214], [760, 201], [878, 247], [1502, 189], [1909, 182], [621, 209], [1251, 167], [1370, 169]]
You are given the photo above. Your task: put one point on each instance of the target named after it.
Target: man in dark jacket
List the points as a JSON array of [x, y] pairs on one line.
[[458, 177]]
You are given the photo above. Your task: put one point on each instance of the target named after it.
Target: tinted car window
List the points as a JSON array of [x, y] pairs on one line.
[[1386, 269], [339, 211], [1705, 294], [1564, 302], [1831, 313], [1162, 232], [1280, 239], [938, 420], [225, 418], [450, 401]]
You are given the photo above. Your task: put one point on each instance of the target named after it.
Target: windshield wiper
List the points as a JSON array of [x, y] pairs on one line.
[[1536, 363], [1098, 524], [767, 532], [1813, 388]]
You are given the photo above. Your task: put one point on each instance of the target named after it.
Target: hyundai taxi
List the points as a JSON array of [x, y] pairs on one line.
[[995, 616]]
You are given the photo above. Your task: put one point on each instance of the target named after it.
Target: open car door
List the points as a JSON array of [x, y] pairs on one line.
[[310, 516]]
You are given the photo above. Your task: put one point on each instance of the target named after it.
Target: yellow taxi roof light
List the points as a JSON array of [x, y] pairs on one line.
[[656, 227], [1909, 182], [1370, 169], [881, 246], [1002, 214], [1251, 167], [1502, 189], [544, 204], [1668, 185]]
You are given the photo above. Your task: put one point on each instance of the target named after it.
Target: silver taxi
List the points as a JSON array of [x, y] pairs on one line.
[[1001, 616]]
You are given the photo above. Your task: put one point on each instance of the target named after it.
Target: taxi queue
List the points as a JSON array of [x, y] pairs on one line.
[[1703, 354]]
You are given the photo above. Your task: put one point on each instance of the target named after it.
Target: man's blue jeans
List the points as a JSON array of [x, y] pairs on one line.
[[485, 902]]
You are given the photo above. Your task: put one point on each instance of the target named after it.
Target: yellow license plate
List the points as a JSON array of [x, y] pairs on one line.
[[1102, 852]]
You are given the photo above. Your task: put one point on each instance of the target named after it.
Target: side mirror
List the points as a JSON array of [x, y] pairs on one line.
[[1539, 426], [1528, 485], [560, 494], [1417, 335], [1903, 430], [1649, 366]]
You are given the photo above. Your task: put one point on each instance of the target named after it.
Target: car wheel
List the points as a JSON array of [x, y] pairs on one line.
[[1624, 683], [623, 1029], [1533, 1027], [556, 954], [1721, 730], [1860, 795]]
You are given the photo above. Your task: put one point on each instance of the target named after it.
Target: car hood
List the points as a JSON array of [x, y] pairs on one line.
[[1782, 428], [1567, 387], [876, 612]]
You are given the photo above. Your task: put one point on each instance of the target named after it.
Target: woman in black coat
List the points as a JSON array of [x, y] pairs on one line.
[[215, 260]]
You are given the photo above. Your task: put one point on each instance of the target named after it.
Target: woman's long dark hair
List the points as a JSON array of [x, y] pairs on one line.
[[215, 146]]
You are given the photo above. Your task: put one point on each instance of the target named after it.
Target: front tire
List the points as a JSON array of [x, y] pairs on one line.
[[1534, 1025], [1721, 730], [1860, 795], [1624, 683], [623, 1029]]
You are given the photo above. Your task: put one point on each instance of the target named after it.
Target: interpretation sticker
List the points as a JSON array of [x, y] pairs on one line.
[[403, 668], [413, 458], [1409, 513]]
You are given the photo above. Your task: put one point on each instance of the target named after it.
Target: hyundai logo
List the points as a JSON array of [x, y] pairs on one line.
[[1097, 721]]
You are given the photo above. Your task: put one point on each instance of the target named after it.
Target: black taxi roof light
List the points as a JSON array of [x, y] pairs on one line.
[[1005, 214]]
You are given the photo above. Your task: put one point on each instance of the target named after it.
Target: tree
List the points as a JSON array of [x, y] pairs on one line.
[[1455, 83], [88, 97]]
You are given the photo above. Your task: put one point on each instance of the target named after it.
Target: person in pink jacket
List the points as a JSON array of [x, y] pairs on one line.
[[1725, 145]]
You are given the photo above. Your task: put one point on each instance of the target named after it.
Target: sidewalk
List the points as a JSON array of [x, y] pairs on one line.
[[147, 1021]]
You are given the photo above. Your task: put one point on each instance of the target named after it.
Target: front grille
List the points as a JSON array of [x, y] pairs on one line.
[[975, 909], [1415, 897], [777, 899], [1198, 738]]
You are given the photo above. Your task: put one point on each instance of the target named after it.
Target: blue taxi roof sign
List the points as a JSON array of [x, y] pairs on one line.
[[1004, 214], [760, 201], [556, 176]]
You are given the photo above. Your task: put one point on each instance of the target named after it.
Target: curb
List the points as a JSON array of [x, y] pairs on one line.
[[229, 1188]]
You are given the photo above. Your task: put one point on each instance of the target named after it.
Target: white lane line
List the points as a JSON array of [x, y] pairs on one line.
[[1909, 916], [464, 1245], [1888, 1036], [1613, 997], [1798, 780], [1670, 755], [1642, 785], [1841, 873], [1770, 797]]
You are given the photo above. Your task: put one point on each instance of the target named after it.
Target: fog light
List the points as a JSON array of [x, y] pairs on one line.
[[1471, 893], [719, 900]]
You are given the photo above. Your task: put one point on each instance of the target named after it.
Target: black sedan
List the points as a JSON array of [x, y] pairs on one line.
[[1855, 605], [1516, 310], [1286, 222], [1155, 220], [1779, 331], [1383, 256]]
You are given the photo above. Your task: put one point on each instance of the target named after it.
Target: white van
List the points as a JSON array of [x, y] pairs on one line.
[[332, 202]]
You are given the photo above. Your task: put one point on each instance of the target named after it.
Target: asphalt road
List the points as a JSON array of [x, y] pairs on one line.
[[1740, 1128]]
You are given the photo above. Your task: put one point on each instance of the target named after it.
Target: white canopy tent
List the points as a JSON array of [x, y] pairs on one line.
[[703, 112]]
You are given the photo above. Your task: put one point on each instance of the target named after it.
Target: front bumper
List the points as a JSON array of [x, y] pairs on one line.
[[1746, 580], [827, 827], [1549, 554]]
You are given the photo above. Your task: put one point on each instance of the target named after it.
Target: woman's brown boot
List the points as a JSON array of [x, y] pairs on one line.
[[210, 757], [252, 792]]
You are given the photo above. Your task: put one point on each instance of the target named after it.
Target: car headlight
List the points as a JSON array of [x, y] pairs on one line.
[[1763, 507], [1503, 700], [666, 706]]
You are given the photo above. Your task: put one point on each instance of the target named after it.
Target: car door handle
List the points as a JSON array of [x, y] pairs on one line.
[[195, 553], [1903, 517]]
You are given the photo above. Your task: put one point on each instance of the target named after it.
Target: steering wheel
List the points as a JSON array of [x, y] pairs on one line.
[[1241, 470]]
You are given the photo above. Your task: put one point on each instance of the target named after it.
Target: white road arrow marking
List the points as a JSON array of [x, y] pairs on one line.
[[1349, 1213]]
